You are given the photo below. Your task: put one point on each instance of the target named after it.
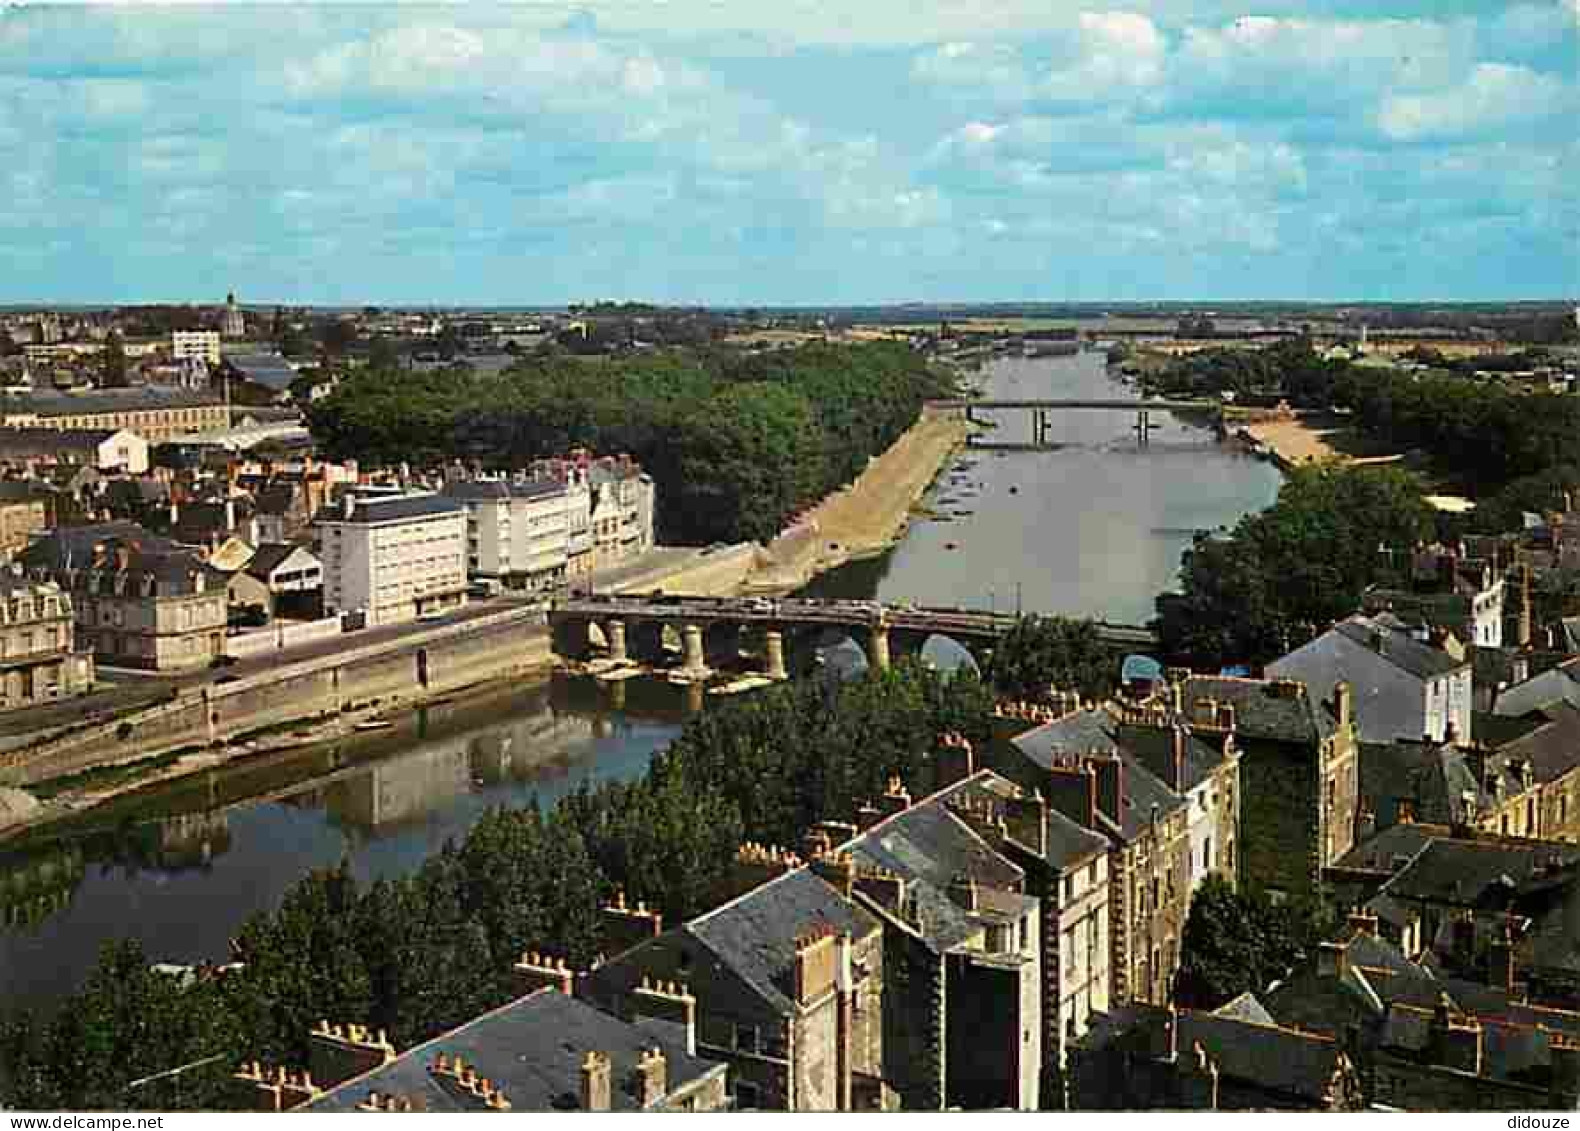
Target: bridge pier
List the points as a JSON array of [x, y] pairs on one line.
[[616, 694], [774, 650], [878, 649], [615, 631], [694, 697], [694, 659]]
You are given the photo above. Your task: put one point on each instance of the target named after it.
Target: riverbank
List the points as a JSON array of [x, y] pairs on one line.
[[1295, 441], [868, 516]]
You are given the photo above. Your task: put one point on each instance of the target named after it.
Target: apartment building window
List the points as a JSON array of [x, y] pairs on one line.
[[1069, 888], [1206, 854], [746, 1038]]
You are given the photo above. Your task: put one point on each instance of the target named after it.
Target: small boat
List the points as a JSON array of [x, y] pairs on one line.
[[1014, 490], [372, 724], [951, 545]]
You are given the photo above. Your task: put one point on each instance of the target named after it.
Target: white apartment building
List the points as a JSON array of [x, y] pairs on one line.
[[518, 531], [201, 344], [395, 557]]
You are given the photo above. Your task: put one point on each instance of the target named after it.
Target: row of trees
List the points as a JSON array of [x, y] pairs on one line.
[[1284, 574], [423, 953], [735, 442]]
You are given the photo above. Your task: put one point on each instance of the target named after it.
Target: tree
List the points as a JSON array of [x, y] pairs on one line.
[[1237, 943], [1288, 572], [450, 341], [1039, 652], [382, 355]]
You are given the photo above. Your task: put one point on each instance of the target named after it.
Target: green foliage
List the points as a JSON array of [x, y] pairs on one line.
[[1060, 651], [1288, 572], [127, 1023], [735, 442], [112, 363], [421, 954], [1236, 943]]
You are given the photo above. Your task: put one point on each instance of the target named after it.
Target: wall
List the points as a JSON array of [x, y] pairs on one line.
[[717, 574], [281, 635], [387, 674]]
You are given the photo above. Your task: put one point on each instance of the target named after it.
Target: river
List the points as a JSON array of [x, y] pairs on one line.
[[1092, 527]]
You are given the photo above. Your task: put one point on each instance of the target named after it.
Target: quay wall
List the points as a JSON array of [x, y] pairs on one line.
[[383, 676]]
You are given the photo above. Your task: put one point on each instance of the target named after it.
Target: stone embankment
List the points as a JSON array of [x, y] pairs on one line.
[[869, 515]]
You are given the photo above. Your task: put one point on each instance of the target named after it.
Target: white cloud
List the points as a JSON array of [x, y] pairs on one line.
[[1495, 95]]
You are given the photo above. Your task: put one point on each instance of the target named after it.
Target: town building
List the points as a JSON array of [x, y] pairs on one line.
[[1168, 801], [545, 1052], [201, 344], [1524, 783], [1146, 1058], [39, 661], [1402, 688], [154, 414], [279, 579], [1424, 1039], [609, 506], [139, 601], [1066, 869], [518, 530], [1447, 590], [785, 983], [232, 323], [24, 513], [1298, 772], [117, 450], [395, 556], [962, 948]]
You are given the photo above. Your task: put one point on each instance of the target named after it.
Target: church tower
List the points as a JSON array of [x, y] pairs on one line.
[[233, 326]]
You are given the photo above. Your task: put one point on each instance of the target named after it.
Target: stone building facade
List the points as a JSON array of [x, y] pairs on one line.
[[38, 657]]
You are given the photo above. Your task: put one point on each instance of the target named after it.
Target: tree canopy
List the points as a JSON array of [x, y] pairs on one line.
[[1039, 652], [735, 442], [1236, 942]]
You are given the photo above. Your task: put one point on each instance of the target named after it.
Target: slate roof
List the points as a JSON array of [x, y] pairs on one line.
[[1261, 711], [1391, 848], [1553, 748], [1387, 685], [929, 846], [1065, 841], [399, 508], [1555, 685], [268, 558], [1246, 1008], [532, 1050], [107, 400], [754, 936], [270, 370], [1097, 731], [1474, 873], [1268, 1058], [505, 489]]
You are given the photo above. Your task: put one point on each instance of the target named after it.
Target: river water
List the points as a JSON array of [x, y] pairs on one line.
[[1094, 527]]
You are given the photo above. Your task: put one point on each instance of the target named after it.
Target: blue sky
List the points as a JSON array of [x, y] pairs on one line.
[[790, 151]]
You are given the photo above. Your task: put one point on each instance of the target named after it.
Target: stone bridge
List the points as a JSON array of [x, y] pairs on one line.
[[712, 631], [1040, 409]]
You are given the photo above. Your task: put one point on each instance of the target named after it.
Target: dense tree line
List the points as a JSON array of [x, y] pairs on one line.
[[1066, 653], [1481, 432], [1284, 574], [420, 954], [735, 442]]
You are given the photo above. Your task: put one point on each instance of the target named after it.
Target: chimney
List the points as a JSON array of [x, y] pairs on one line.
[[670, 1003], [867, 815], [1343, 704], [1110, 786], [652, 1076], [1177, 757], [596, 1072], [625, 927], [895, 799], [1363, 921], [1332, 959], [336, 1053], [755, 865], [1455, 1040], [954, 759], [1026, 819], [816, 971], [1072, 790], [838, 869], [535, 971]]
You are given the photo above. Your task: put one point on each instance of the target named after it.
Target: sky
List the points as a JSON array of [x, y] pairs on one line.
[[767, 152]]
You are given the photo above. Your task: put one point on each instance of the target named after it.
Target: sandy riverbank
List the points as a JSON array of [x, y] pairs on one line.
[[870, 514], [1296, 441]]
